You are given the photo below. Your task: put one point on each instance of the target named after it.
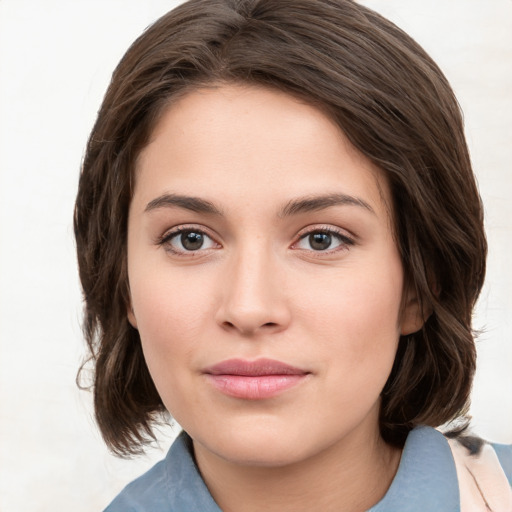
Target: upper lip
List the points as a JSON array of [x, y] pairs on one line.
[[256, 368]]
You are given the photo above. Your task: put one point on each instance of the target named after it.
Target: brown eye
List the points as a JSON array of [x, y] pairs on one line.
[[326, 240], [320, 241], [187, 240], [191, 240]]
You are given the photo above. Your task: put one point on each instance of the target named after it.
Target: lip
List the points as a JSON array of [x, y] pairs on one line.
[[254, 380]]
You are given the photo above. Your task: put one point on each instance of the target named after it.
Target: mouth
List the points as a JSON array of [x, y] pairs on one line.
[[254, 380]]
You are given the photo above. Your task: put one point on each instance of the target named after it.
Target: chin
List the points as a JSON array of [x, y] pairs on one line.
[[261, 442], [263, 453], [264, 444]]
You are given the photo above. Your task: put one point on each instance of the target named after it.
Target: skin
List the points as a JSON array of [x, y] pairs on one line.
[[258, 288]]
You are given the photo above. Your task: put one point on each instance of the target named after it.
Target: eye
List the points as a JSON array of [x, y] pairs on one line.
[[187, 240], [319, 240]]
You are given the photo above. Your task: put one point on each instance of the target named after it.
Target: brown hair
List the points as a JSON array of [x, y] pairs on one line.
[[394, 105]]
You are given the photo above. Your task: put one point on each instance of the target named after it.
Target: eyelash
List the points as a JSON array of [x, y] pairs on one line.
[[165, 240], [345, 241]]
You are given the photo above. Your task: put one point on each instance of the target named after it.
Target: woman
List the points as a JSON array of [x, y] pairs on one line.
[[281, 243]]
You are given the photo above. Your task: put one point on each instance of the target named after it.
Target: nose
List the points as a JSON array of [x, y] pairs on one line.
[[254, 295]]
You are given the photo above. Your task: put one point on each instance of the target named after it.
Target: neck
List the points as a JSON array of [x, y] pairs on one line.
[[352, 475]]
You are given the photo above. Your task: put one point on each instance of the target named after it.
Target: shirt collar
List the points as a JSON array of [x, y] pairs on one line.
[[186, 488], [426, 479]]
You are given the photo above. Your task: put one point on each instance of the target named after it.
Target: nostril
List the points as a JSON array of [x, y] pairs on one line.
[[230, 326]]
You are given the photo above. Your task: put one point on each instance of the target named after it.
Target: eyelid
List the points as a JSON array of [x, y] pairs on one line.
[[346, 239], [169, 234]]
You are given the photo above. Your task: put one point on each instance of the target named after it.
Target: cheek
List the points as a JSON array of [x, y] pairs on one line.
[[170, 321], [356, 301], [171, 315], [356, 321]]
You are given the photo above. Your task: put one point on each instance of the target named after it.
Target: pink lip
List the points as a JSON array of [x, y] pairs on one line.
[[253, 380]]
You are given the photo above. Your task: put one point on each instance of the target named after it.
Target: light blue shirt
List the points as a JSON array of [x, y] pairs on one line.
[[426, 480]]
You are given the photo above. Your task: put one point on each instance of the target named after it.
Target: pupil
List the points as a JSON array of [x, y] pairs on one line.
[[320, 241], [192, 241]]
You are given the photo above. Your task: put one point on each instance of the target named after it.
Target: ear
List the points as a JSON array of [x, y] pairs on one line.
[[414, 314], [131, 317]]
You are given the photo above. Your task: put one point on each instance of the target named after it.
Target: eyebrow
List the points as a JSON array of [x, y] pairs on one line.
[[294, 207], [321, 202], [194, 204]]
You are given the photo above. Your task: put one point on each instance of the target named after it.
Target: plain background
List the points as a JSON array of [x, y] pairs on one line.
[[56, 58]]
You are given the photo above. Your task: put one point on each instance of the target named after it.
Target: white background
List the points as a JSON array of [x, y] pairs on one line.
[[56, 58]]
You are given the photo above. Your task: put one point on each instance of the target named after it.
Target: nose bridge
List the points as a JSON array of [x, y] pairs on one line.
[[253, 298]]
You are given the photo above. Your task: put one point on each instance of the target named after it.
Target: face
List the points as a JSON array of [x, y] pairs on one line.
[[265, 281]]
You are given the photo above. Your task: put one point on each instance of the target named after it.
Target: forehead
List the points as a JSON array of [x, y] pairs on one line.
[[252, 142]]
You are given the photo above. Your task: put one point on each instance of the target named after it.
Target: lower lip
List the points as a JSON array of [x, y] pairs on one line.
[[256, 387]]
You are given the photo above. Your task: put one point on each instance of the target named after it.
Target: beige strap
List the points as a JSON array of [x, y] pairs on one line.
[[483, 485]]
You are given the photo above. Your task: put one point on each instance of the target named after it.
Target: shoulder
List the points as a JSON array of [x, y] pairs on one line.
[[426, 479], [483, 472], [504, 454], [172, 485], [476, 448], [431, 477], [145, 493]]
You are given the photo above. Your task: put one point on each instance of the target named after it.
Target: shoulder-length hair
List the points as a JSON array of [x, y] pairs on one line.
[[394, 105]]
